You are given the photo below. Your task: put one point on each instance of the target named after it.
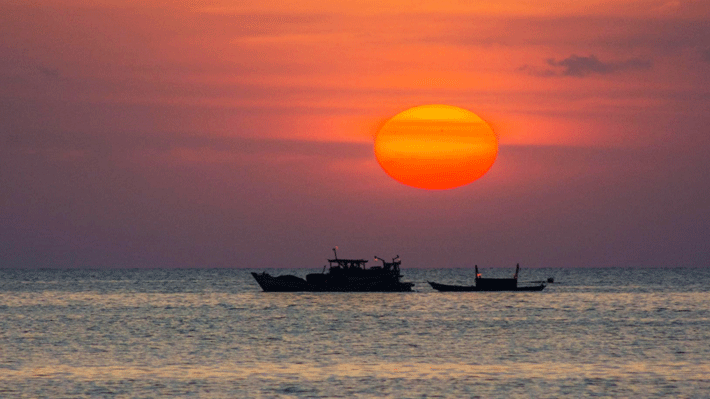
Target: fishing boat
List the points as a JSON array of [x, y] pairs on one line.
[[490, 284], [342, 275]]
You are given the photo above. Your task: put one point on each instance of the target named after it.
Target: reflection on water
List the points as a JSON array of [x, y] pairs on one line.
[[213, 333]]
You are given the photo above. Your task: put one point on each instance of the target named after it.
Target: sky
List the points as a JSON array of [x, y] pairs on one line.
[[240, 134]]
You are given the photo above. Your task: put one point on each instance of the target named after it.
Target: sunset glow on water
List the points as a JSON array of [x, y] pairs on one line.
[[214, 333]]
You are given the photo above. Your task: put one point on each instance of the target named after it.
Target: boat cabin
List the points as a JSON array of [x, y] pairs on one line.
[[497, 284], [347, 264]]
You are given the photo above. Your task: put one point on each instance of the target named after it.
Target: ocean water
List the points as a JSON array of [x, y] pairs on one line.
[[214, 334]]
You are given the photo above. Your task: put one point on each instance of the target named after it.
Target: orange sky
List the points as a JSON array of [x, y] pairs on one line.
[[195, 133]]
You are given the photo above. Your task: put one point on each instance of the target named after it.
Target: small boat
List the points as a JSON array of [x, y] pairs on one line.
[[490, 284], [344, 275]]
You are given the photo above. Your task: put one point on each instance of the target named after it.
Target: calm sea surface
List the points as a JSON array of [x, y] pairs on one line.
[[213, 333]]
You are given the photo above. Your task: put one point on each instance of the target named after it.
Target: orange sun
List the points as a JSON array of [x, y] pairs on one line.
[[436, 147]]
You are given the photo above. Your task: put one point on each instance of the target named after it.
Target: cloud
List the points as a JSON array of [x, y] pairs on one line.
[[575, 65], [668, 8], [51, 73], [68, 145], [581, 66]]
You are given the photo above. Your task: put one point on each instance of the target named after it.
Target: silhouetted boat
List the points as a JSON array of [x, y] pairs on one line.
[[344, 275], [490, 284]]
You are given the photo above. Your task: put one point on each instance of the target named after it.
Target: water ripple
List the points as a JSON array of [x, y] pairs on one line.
[[214, 334]]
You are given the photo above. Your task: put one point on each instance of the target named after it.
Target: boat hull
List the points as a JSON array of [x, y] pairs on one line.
[[291, 283], [469, 288]]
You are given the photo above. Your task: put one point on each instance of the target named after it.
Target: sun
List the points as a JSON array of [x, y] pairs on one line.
[[436, 147]]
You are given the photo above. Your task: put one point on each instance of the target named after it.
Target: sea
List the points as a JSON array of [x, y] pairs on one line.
[[213, 333]]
